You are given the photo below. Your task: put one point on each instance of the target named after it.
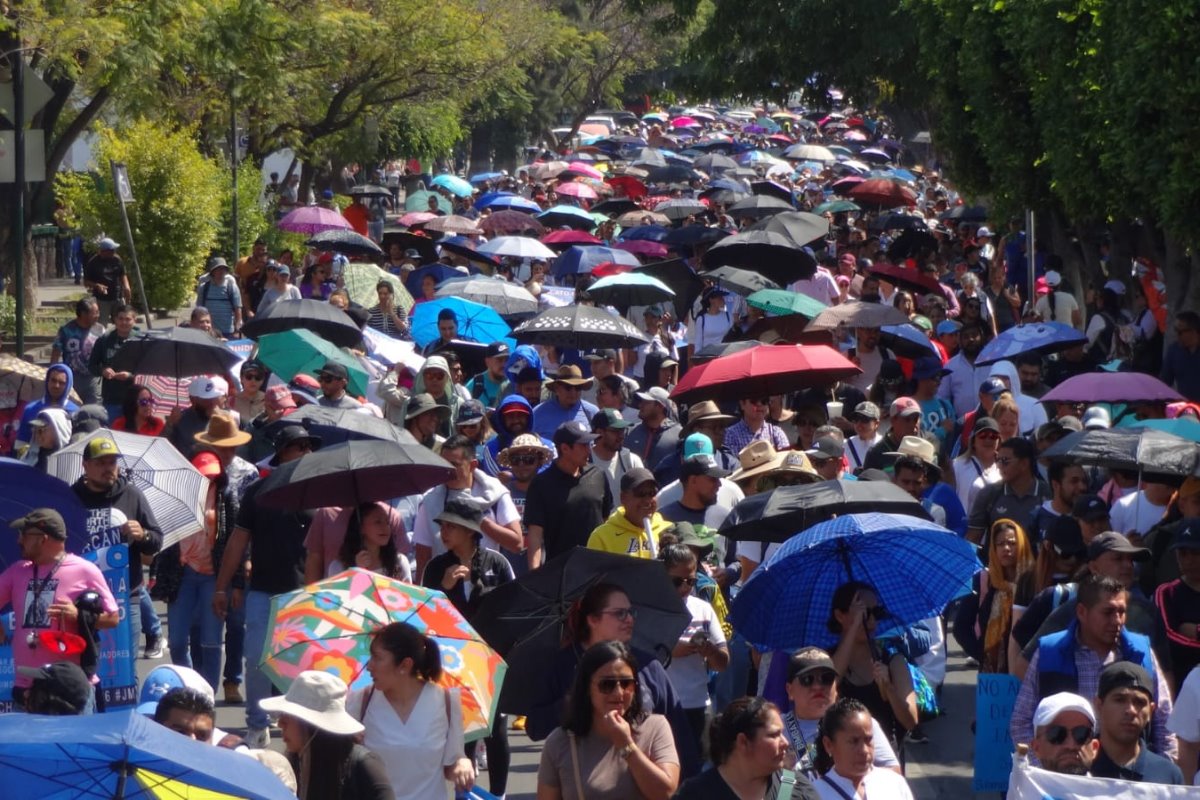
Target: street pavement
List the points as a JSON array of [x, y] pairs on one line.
[[938, 770]]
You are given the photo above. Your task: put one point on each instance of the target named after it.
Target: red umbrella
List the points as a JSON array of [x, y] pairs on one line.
[[610, 268], [763, 371], [630, 186], [641, 248], [568, 238], [843, 186], [884, 193], [906, 278]]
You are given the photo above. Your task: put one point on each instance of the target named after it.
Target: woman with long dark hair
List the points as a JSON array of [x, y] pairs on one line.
[[369, 544], [320, 738], [607, 746], [137, 413], [985, 619], [847, 756]]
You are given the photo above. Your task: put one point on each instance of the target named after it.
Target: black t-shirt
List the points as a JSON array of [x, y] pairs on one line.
[[1148, 767], [108, 271], [567, 508], [709, 785], [1181, 604], [276, 543], [489, 569]]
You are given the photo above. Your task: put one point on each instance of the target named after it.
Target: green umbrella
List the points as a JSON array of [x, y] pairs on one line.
[[835, 207], [782, 303], [419, 201], [292, 352], [360, 280]]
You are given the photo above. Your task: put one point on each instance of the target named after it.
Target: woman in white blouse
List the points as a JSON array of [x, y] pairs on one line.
[[847, 757], [412, 723]]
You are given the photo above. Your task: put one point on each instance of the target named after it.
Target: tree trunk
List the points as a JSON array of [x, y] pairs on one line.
[[480, 158]]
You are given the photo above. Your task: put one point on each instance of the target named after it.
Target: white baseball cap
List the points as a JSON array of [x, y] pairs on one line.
[[1050, 707], [983, 231], [107, 244], [1053, 278], [204, 388]]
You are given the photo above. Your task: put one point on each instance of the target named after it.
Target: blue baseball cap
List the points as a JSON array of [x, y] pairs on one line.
[[927, 367], [697, 444], [165, 678], [948, 326]]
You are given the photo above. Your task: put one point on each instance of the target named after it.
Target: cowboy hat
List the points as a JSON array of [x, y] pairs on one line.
[[706, 410], [571, 375], [921, 449], [222, 431]]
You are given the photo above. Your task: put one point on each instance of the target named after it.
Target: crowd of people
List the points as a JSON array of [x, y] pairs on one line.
[[1089, 590]]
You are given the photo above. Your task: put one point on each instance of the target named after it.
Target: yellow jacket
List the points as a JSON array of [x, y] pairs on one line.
[[618, 535]]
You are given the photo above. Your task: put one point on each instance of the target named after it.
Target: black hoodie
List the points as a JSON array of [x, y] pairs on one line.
[[129, 500]]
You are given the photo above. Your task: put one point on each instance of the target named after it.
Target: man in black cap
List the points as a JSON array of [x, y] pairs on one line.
[[60, 689], [1124, 708], [489, 386], [1091, 512], [605, 362], [609, 452], [334, 378], [700, 477], [469, 421], [567, 501]]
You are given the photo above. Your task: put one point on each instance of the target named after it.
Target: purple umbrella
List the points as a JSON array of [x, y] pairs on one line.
[[1109, 387], [644, 249], [312, 219]]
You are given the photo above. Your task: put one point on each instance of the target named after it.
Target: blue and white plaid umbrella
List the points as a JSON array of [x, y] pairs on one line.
[[174, 489], [1042, 338], [916, 567]]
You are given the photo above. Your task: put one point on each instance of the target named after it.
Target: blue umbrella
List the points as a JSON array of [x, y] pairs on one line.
[[475, 321], [453, 184], [906, 341], [1182, 427], [916, 567], [440, 272], [576, 260], [647, 233], [1041, 338], [121, 754], [25, 489], [570, 216], [485, 200], [484, 177], [514, 203]]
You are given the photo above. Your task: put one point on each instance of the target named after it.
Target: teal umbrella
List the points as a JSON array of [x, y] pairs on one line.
[[1180, 426], [298, 351], [419, 201], [835, 207], [454, 184], [782, 303]]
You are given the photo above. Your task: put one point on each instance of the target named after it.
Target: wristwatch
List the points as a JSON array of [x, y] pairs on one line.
[[628, 750]]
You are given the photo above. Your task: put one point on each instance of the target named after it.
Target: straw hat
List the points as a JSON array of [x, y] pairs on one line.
[[524, 443], [761, 458], [319, 699], [919, 448], [222, 431]]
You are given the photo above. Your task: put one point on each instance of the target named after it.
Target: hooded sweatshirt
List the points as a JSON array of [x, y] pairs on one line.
[[1033, 413], [618, 535], [448, 397], [490, 452], [108, 511], [58, 419], [24, 432]]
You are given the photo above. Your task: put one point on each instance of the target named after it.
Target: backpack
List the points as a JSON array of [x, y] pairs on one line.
[[202, 300], [1147, 353], [1104, 349]]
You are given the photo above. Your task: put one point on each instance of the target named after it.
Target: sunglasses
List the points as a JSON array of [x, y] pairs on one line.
[[609, 685], [823, 677], [681, 581], [1004, 461], [876, 612], [1057, 734], [327, 379], [145, 401], [524, 461], [251, 376], [621, 614]]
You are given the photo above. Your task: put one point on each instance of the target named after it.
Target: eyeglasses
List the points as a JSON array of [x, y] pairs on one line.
[[145, 401], [621, 614], [609, 685], [524, 461], [681, 581], [1057, 734], [824, 677], [1004, 461], [251, 376], [327, 379]]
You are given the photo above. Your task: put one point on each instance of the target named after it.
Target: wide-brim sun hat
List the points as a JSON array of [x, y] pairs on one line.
[[319, 699]]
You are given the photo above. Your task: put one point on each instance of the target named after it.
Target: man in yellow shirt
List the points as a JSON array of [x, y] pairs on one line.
[[624, 531]]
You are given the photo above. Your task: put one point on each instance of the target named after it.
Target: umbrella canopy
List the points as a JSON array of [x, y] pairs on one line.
[[857, 314], [630, 289], [770, 254], [763, 371], [799, 226], [651, 251], [516, 247], [453, 223], [781, 302], [715, 163], [580, 328], [419, 201], [440, 272], [693, 235], [778, 515], [615, 207], [312, 219], [329, 322], [512, 202], [412, 240], [1107, 387], [507, 298], [347, 242], [906, 278], [577, 190], [122, 754], [354, 472], [336, 425], [680, 209], [460, 187], [759, 205], [645, 233], [788, 601], [1042, 338], [475, 321], [883, 193], [914, 242], [568, 237], [370, 190], [809, 152], [836, 207], [681, 279], [511, 223], [632, 219], [907, 341], [27, 488], [172, 486], [719, 349], [962, 213], [547, 169], [22, 381], [525, 619], [1183, 427], [416, 218], [581, 260], [671, 173], [773, 189], [628, 185], [741, 281], [1143, 450], [328, 626], [176, 353], [584, 169], [360, 280], [290, 353], [567, 216]]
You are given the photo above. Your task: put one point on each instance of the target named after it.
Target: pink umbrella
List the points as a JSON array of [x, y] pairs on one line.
[[569, 238], [684, 122], [312, 219], [585, 169], [643, 249], [579, 191], [416, 218]]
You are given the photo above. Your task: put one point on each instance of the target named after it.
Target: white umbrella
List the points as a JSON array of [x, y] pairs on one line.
[[507, 298], [517, 247], [174, 489], [809, 152]]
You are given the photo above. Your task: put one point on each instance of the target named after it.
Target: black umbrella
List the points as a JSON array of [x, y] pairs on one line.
[[1153, 453], [615, 207], [580, 328], [682, 279], [679, 210], [352, 473], [692, 235], [912, 242], [564, 219], [329, 322], [411, 241], [370, 190], [347, 242], [773, 189], [337, 425], [740, 281], [965, 214], [524, 620], [799, 226], [471, 355], [780, 514], [672, 173], [714, 163], [718, 349], [772, 255], [723, 196], [760, 205], [175, 353], [893, 221]]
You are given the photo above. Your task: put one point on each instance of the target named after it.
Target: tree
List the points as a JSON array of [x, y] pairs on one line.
[[176, 219]]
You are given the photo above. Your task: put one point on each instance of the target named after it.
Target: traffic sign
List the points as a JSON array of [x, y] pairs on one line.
[[37, 94]]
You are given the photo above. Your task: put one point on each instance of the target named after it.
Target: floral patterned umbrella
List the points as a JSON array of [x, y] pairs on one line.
[[328, 625]]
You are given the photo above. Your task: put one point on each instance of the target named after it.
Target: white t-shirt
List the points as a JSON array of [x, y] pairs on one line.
[[857, 449], [617, 466], [728, 496], [709, 329], [878, 783], [1064, 307], [1184, 721], [821, 287], [688, 674], [1134, 512], [970, 476], [426, 531]]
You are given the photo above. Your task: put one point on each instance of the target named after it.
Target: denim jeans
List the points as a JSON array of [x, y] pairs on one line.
[[151, 624], [235, 640], [258, 685], [193, 605]]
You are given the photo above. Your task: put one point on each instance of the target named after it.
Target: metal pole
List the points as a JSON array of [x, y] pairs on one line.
[[18, 231], [133, 258], [233, 159], [1030, 254]]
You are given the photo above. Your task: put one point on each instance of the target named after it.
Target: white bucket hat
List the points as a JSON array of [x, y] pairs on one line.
[[319, 699]]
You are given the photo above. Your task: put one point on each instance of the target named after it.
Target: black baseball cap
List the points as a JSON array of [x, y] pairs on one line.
[[1065, 535], [1125, 675], [1113, 542], [574, 432], [334, 370], [609, 418], [808, 660], [1089, 508], [497, 349], [636, 477], [63, 679], [606, 354], [702, 464], [46, 520], [1187, 535]]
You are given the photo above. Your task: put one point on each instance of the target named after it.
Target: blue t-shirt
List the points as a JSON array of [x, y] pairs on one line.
[[933, 413], [221, 301], [548, 415]]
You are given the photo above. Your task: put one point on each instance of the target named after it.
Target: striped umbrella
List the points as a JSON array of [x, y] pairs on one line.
[[174, 488]]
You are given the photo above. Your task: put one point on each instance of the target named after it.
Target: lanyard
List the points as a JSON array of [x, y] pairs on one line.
[[839, 789], [804, 760], [38, 587]]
